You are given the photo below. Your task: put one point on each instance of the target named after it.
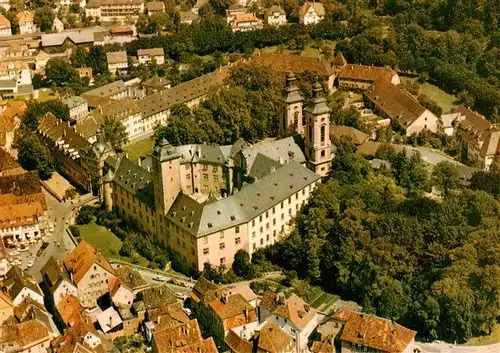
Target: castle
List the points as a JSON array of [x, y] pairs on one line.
[[207, 202]]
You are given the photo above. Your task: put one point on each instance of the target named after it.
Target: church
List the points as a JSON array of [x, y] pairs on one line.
[[207, 202]]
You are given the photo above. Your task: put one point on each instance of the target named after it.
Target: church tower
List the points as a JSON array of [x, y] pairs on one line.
[[317, 134], [166, 176], [290, 104]]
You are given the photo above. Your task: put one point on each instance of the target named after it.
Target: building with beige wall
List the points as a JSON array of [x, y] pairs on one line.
[[90, 271], [25, 337], [114, 10]]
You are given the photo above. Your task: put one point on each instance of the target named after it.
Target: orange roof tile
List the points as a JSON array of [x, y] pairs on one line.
[[296, 310], [4, 22], [234, 310], [25, 334], [20, 214], [71, 311], [374, 332], [25, 16], [366, 73], [237, 344], [273, 339], [182, 338], [294, 63], [317, 6], [82, 258]]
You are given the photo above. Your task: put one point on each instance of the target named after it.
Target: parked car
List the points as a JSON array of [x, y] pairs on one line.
[[30, 263], [187, 311], [51, 227], [159, 279]]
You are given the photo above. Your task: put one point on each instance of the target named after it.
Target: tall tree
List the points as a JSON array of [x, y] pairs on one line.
[[114, 132], [445, 176], [34, 155], [44, 17]]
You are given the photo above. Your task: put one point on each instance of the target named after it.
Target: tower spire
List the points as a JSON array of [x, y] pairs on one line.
[[291, 102]]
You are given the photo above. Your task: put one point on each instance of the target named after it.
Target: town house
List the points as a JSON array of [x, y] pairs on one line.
[[311, 13], [56, 282], [26, 22], [275, 16], [186, 336], [114, 10], [19, 286], [90, 271], [154, 55], [5, 27], [117, 62]]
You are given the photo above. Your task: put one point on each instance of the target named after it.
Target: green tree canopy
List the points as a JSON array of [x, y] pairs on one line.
[[34, 155], [114, 132]]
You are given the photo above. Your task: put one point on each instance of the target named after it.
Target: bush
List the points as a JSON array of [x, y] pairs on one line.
[[126, 250], [85, 215], [75, 231]]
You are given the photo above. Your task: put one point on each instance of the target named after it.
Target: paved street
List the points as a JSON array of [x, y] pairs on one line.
[[58, 213], [443, 347]]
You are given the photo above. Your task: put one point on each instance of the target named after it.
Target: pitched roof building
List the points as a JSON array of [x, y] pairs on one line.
[[401, 107], [57, 280], [19, 285], [184, 338], [373, 332], [28, 336], [311, 13], [90, 271]]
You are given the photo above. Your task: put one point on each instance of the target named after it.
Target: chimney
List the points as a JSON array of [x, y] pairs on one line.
[[281, 161]]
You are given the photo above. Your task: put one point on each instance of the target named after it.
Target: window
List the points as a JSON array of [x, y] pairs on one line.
[[205, 167], [323, 129], [282, 205], [188, 176], [254, 246], [205, 251], [267, 237], [282, 216], [274, 210], [237, 241], [237, 230], [267, 225], [261, 241], [222, 246], [261, 230], [205, 177], [303, 191], [289, 211], [274, 221], [290, 200], [260, 218], [253, 223], [323, 154], [205, 240], [274, 233], [216, 178], [267, 214], [296, 196], [214, 169], [253, 234], [222, 260], [222, 234], [186, 166]]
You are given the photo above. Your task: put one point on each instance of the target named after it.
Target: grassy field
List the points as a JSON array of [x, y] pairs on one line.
[[324, 300], [484, 340], [445, 100], [308, 50], [46, 94], [107, 243], [138, 149]]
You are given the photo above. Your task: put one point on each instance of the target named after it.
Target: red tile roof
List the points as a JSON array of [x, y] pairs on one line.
[[366, 73], [297, 311], [374, 332], [82, 258], [294, 63]]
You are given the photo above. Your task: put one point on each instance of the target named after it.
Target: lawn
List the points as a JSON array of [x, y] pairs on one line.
[[46, 94], [107, 243], [324, 300], [138, 149], [484, 340], [446, 101], [308, 50]]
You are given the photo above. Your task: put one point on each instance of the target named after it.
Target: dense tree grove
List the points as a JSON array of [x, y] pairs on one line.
[[430, 265]]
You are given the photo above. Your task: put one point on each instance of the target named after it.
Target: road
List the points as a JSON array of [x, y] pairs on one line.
[[443, 347], [58, 213]]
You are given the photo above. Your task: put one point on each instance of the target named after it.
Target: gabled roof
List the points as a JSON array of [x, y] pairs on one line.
[[322, 347], [185, 338], [25, 16], [28, 304], [7, 162], [157, 296], [395, 102], [272, 339], [25, 334], [83, 36], [202, 289], [82, 258], [230, 306], [155, 6], [297, 311], [108, 319], [473, 122], [275, 9], [366, 73], [131, 278], [374, 332], [243, 289], [16, 280], [356, 136], [237, 344], [4, 22], [294, 63], [151, 52], [116, 57], [156, 82], [317, 6], [5, 301], [339, 59]]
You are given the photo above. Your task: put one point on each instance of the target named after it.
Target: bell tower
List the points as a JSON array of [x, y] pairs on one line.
[[166, 174], [317, 134], [290, 104]]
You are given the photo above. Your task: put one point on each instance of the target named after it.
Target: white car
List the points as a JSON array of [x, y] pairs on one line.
[[51, 227], [187, 311], [30, 264], [159, 279], [14, 253]]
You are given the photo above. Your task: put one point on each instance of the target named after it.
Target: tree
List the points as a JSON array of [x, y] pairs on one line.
[[242, 266], [96, 59], [34, 155], [114, 132], [44, 17], [37, 109], [445, 176], [486, 181], [60, 72], [79, 57], [85, 215]]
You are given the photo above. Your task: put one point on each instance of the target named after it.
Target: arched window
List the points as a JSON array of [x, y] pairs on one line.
[[295, 119], [323, 129], [310, 133]]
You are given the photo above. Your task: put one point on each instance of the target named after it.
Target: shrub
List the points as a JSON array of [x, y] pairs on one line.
[[75, 231], [85, 215]]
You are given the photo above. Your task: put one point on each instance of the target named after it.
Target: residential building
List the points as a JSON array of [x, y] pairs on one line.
[[326, 346], [155, 297], [4, 265], [5, 27], [269, 338], [57, 25], [117, 62], [154, 7], [188, 17], [311, 13], [26, 22], [29, 310], [5, 4], [78, 107], [115, 90], [6, 307], [19, 286], [483, 138], [363, 332], [70, 38], [363, 77], [25, 337], [245, 22], [85, 72], [275, 16], [198, 5], [447, 123], [80, 3], [114, 10], [293, 315], [110, 321], [9, 166], [91, 273], [244, 290], [22, 207], [10, 120], [183, 337], [154, 55], [79, 160], [56, 282], [165, 316], [125, 286], [405, 112], [155, 84]]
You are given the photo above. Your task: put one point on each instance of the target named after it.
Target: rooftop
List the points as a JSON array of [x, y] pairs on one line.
[[131, 278], [366, 73], [82, 258], [183, 338], [317, 6], [374, 332], [116, 57], [271, 338], [107, 90], [74, 101], [297, 311], [294, 63], [157, 296], [16, 280], [356, 136], [25, 334], [151, 52], [109, 319]]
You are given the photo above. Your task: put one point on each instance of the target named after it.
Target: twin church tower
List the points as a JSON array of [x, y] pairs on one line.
[[313, 123]]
